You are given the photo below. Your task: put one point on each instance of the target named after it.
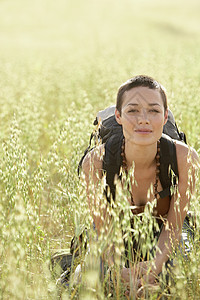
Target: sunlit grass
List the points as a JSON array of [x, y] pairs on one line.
[[60, 63]]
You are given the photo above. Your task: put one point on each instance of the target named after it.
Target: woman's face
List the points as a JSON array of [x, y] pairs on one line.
[[142, 115]]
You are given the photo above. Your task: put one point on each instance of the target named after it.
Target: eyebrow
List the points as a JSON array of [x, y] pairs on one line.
[[150, 104], [153, 104]]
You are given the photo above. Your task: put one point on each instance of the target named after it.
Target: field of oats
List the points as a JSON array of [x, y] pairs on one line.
[[61, 62]]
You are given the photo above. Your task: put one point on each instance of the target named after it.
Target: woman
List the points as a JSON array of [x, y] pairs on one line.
[[142, 111]]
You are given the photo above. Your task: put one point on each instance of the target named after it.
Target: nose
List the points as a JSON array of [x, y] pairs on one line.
[[143, 118]]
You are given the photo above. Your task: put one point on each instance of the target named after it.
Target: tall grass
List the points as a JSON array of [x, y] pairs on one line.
[[60, 63]]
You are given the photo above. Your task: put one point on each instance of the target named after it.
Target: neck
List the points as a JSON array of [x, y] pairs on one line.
[[141, 156]]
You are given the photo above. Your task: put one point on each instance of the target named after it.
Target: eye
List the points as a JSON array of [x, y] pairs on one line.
[[153, 110], [133, 111]]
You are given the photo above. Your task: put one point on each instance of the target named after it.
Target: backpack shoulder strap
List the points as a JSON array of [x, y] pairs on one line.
[[112, 162], [168, 160]]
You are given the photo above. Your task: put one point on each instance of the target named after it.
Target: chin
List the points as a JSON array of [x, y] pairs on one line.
[[143, 141]]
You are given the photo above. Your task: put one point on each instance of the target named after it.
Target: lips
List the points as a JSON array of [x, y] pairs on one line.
[[143, 130]]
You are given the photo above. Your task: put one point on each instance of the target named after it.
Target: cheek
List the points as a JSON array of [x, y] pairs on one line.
[[158, 122], [128, 120]]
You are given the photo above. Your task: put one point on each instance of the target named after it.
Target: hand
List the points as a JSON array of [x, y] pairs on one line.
[[131, 276], [147, 279], [138, 278], [130, 280], [150, 285], [138, 270], [147, 282]]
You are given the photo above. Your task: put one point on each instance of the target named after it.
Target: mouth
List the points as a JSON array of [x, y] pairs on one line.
[[143, 131]]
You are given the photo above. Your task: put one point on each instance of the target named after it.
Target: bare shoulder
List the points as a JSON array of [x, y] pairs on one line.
[[93, 161], [188, 165], [186, 155]]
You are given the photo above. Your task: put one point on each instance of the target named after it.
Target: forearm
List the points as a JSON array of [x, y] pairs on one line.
[[171, 232], [168, 241], [104, 229]]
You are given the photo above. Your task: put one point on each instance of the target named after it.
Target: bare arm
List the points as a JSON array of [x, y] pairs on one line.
[[188, 161], [92, 168]]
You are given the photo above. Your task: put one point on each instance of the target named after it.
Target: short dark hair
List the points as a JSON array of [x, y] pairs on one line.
[[137, 81]]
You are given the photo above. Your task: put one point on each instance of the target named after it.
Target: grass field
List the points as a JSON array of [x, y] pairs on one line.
[[61, 62]]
